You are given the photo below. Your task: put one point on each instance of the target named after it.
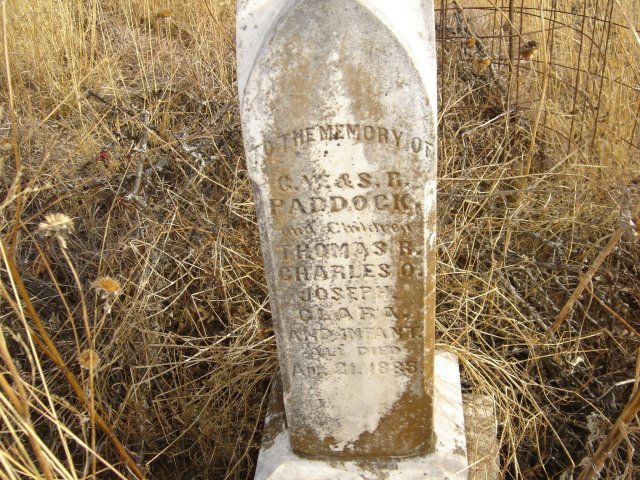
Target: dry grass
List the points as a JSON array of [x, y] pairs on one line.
[[141, 338]]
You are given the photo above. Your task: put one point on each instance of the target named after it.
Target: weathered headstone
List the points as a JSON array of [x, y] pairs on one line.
[[338, 107]]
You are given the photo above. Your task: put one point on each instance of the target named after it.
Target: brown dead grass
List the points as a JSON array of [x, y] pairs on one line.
[[538, 166]]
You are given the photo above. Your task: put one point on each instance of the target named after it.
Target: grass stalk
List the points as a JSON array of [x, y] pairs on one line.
[[14, 128]]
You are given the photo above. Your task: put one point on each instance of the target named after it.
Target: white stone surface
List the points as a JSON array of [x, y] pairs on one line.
[[449, 461], [338, 108], [411, 20]]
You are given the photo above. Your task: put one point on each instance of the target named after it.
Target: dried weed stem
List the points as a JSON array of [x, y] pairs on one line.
[[47, 346]]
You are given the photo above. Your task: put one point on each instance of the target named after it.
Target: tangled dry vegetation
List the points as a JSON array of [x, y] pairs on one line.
[[135, 329]]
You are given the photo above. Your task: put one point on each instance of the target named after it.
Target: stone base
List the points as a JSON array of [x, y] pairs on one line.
[[481, 425], [449, 460]]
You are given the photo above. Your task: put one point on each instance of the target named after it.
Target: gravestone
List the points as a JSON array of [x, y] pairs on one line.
[[338, 108]]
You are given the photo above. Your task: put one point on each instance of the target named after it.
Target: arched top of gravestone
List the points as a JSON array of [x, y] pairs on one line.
[[412, 23]]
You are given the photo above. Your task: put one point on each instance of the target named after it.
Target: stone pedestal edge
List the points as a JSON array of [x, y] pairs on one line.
[[481, 426], [449, 460]]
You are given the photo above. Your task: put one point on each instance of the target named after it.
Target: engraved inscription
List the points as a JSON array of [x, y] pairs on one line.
[[376, 368], [340, 274], [364, 191], [345, 131], [302, 333]]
